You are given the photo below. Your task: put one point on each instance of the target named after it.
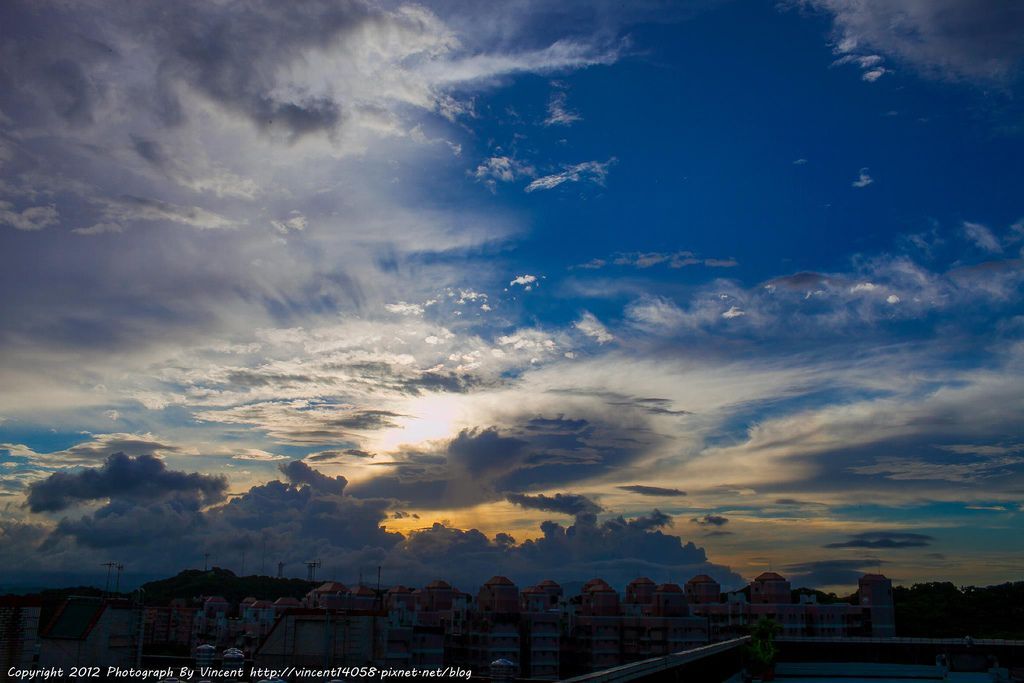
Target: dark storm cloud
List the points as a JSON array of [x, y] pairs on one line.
[[884, 539], [711, 520], [487, 464], [565, 503], [122, 478], [310, 516], [644, 490], [138, 524], [299, 472], [656, 519], [483, 450], [618, 550]]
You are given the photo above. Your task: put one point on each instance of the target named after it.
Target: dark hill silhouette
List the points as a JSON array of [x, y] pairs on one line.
[[194, 583]]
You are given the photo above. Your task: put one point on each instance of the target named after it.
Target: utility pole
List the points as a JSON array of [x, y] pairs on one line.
[[206, 561], [311, 568], [119, 567], [109, 566], [280, 570], [142, 625]]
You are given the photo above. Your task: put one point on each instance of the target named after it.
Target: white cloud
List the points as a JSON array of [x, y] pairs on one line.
[[873, 75], [28, 219], [404, 308], [589, 325], [863, 179], [523, 280], [295, 223], [655, 312], [502, 168], [558, 113], [592, 171], [982, 237], [733, 312]]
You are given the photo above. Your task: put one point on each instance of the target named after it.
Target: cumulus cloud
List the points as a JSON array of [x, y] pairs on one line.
[[311, 515], [122, 477], [525, 281]]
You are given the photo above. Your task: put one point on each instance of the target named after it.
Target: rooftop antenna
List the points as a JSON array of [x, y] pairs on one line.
[[280, 570], [378, 584], [311, 567], [206, 561], [120, 568]]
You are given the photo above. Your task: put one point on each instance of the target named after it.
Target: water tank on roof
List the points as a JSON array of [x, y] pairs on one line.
[[204, 655], [503, 670]]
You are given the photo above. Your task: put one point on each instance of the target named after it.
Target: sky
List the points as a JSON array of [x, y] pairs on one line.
[[543, 289]]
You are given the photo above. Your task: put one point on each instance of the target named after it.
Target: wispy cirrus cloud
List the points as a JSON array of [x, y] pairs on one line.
[[595, 172]]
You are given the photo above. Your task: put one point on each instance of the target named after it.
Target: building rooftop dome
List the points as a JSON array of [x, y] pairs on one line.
[[641, 581], [439, 583], [331, 587], [702, 578], [668, 588], [769, 576], [499, 581]]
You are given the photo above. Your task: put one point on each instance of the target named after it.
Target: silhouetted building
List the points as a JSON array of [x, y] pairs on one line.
[[91, 632], [19, 632]]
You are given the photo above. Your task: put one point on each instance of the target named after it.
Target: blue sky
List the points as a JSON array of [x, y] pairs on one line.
[[665, 289]]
